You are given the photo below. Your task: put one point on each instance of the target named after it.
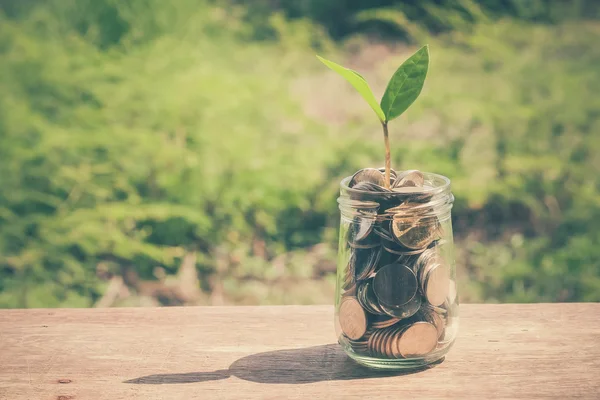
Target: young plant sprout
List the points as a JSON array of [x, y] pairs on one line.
[[402, 90]]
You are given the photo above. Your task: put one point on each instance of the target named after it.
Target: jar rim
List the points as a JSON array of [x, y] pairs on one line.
[[443, 186]]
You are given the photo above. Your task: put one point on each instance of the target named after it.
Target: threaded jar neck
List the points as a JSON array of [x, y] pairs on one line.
[[434, 199]]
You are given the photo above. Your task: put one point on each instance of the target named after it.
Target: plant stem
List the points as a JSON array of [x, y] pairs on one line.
[[387, 154]]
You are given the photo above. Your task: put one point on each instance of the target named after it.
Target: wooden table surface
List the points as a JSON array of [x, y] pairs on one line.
[[503, 351]]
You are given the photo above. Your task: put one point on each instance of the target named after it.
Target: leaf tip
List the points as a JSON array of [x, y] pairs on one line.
[[425, 50]]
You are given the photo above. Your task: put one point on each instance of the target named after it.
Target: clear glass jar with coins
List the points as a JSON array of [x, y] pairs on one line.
[[396, 298]]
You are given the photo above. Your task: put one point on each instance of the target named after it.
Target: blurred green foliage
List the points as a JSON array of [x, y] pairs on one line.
[[343, 17], [135, 133]]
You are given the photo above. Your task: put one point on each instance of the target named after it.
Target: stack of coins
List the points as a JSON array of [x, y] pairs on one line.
[[397, 290]]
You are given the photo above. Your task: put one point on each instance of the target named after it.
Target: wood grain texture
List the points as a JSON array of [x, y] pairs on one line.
[[503, 352]]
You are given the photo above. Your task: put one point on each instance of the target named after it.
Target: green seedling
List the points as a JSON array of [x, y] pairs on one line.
[[402, 90]]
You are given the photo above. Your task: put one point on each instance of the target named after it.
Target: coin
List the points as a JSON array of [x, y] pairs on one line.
[[351, 291], [411, 233], [402, 341], [404, 311], [388, 343], [440, 310], [361, 296], [361, 345], [405, 210], [360, 227], [373, 340], [384, 321], [384, 345], [411, 260], [392, 247], [365, 261], [386, 259], [414, 194], [424, 259], [370, 193], [359, 348], [382, 231], [370, 175], [409, 178], [369, 243], [367, 299], [409, 209], [428, 314], [349, 273], [372, 300], [353, 319], [376, 189], [367, 193], [435, 283], [396, 341], [378, 343], [395, 285], [417, 340]]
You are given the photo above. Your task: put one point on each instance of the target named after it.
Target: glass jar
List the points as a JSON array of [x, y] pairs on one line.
[[396, 298]]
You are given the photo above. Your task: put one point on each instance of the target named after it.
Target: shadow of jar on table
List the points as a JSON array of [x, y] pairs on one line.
[[294, 366]]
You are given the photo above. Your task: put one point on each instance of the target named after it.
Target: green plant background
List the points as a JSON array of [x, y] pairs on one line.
[[189, 152]]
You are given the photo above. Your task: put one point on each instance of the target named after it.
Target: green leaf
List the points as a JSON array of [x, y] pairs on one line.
[[406, 84], [359, 83]]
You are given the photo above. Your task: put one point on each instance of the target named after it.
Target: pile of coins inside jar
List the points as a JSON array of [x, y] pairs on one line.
[[397, 291]]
